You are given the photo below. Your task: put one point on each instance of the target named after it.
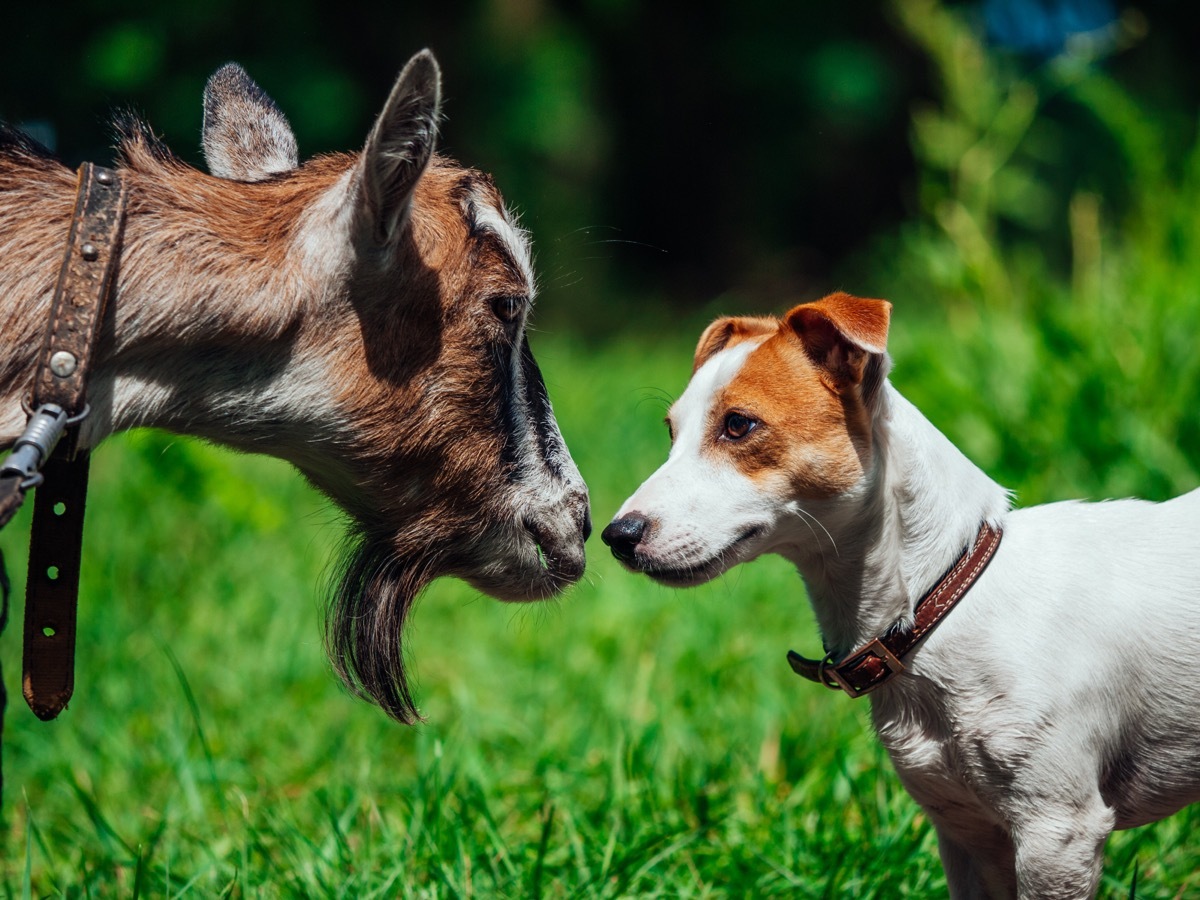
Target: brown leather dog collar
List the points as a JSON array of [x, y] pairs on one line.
[[880, 659]]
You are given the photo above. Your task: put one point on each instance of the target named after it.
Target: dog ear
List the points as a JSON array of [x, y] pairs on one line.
[[244, 135], [727, 332], [843, 335], [400, 146]]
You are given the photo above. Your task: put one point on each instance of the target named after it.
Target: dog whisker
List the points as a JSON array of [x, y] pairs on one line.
[[808, 517]]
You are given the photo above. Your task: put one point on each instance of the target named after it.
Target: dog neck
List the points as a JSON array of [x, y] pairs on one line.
[[882, 546]]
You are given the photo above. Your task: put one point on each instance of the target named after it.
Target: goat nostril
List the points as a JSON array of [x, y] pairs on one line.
[[587, 524], [624, 534]]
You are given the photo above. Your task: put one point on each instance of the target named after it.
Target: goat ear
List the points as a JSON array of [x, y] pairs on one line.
[[727, 332], [400, 146], [842, 335], [245, 136]]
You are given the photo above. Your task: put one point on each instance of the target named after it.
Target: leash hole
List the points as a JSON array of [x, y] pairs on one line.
[[49, 631], [52, 573], [60, 508]]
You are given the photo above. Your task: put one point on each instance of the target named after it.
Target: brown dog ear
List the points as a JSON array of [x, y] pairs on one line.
[[727, 332], [841, 334]]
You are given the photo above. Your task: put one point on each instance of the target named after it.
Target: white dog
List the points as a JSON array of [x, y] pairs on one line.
[[1052, 705]]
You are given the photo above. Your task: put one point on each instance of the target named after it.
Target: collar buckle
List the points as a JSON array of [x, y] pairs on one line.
[[871, 666]]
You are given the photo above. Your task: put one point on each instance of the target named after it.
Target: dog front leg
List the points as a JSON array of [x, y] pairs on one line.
[[972, 874], [1060, 853]]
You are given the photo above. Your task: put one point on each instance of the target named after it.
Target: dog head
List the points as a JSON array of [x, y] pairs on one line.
[[776, 423]]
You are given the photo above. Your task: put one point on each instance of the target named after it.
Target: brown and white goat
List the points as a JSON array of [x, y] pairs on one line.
[[361, 316]]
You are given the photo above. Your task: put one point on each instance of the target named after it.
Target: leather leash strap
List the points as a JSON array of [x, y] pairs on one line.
[[84, 284], [881, 659]]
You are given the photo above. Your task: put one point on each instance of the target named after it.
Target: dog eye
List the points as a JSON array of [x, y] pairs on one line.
[[737, 426], [508, 308]]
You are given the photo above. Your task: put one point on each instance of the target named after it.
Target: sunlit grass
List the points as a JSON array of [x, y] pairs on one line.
[[627, 740]]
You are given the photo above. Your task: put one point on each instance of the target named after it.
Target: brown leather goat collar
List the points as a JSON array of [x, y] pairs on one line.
[[57, 406], [880, 659]]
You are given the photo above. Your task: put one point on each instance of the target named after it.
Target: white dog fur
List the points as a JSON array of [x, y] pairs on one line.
[[1053, 705]]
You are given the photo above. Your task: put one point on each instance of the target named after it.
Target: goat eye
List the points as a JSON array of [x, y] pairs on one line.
[[508, 308], [737, 426]]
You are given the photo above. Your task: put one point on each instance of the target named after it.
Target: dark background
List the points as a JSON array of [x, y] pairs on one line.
[[662, 155]]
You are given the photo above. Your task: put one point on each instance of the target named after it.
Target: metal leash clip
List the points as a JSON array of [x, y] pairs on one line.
[[42, 433]]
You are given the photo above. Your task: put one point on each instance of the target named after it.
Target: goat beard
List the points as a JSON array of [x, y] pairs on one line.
[[368, 605]]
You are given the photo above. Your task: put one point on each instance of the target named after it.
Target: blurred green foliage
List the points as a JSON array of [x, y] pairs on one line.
[[657, 155], [1034, 222], [661, 158], [1054, 327]]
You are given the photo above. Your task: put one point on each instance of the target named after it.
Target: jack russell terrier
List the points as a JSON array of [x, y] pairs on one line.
[[1051, 705]]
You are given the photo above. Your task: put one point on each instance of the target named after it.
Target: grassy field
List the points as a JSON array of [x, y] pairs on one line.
[[628, 740]]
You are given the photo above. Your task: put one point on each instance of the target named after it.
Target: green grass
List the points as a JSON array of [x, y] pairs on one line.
[[628, 740], [625, 740]]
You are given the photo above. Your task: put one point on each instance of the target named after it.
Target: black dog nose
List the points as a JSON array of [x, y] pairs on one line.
[[624, 534]]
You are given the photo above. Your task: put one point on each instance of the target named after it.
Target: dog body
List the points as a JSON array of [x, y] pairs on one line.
[[1053, 704]]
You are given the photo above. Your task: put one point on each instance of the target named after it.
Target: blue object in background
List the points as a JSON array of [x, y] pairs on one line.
[[1043, 27]]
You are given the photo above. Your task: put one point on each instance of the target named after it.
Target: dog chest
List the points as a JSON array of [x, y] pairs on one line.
[[937, 770]]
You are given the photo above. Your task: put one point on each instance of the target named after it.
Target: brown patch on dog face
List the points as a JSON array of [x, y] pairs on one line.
[[729, 332], [809, 440]]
